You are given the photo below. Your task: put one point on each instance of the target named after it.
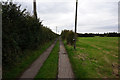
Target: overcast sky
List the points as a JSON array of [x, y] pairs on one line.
[[93, 15]]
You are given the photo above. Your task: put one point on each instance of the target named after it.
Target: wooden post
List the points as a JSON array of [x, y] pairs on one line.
[[56, 29], [75, 24], [34, 8]]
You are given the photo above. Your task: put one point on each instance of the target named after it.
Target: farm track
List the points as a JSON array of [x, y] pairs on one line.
[[64, 66], [37, 64]]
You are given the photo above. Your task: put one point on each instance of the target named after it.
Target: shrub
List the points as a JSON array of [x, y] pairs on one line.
[[64, 34], [68, 35]]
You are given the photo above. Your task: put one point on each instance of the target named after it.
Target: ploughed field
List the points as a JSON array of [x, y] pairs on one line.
[[94, 57]]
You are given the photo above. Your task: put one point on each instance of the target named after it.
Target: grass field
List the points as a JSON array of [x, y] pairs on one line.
[[25, 62], [94, 57], [50, 66]]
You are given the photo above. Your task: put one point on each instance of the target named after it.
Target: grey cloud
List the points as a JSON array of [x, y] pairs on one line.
[[53, 8], [93, 15]]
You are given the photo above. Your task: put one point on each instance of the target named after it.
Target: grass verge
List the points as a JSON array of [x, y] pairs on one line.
[[25, 62], [50, 66], [94, 57]]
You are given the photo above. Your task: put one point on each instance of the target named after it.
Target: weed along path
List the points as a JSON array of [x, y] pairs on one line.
[[37, 64], [64, 67]]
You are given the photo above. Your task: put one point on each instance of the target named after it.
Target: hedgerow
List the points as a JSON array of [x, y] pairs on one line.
[[20, 32]]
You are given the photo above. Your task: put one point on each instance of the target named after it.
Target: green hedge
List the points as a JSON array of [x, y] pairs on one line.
[[20, 32]]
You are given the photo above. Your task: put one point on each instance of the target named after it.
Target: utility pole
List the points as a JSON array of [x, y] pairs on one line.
[[34, 9], [56, 29], [75, 24]]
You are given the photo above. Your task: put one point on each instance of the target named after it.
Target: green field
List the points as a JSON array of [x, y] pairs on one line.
[[50, 66], [94, 57]]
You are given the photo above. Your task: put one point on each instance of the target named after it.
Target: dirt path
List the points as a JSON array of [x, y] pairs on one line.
[[64, 67], [32, 71]]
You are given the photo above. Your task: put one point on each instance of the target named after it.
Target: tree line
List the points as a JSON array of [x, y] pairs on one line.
[[109, 34], [20, 32], [68, 35]]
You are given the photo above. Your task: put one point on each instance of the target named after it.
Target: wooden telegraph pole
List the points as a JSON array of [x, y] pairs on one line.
[[56, 29], [34, 9], [75, 24]]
